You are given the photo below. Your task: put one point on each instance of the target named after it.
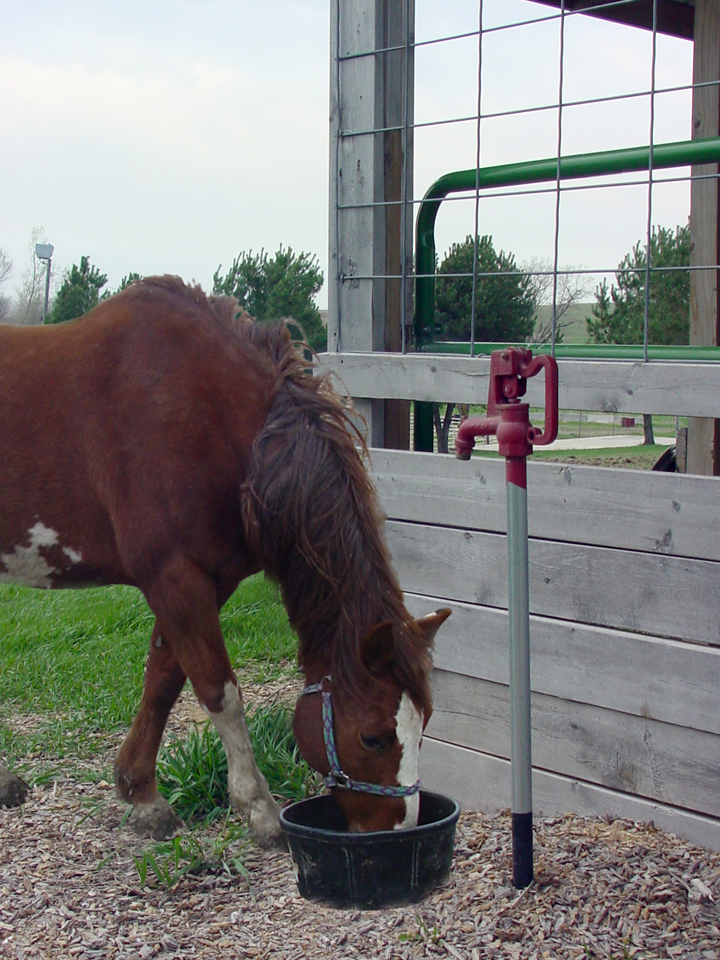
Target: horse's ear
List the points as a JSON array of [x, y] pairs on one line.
[[378, 648], [430, 624]]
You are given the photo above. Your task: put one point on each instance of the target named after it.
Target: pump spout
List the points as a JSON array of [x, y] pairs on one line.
[[470, 428]]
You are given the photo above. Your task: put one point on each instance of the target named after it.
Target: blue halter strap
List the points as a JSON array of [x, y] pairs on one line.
[[336, 777]]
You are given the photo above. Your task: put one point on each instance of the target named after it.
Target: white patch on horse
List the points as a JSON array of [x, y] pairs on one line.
[[408, 728], [73, 555], [28, 566], [248, 788]]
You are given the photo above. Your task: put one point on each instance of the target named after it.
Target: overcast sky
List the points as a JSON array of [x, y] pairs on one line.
[[167, 136]]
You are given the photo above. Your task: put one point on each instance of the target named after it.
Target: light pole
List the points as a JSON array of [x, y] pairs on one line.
[[44, 251]]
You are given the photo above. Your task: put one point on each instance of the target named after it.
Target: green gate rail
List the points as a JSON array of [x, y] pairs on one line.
[[583, 351], [681, 154]]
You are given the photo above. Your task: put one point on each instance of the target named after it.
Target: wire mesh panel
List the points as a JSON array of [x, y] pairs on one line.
[[504, 170], [479, 85]]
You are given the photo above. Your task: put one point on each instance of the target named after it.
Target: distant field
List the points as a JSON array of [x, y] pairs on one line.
[[576, 332]]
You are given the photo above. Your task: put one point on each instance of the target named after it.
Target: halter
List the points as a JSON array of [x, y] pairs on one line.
[[336, 777]]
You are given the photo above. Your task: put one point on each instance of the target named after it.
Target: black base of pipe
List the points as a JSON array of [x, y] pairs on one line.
[[522, 849]]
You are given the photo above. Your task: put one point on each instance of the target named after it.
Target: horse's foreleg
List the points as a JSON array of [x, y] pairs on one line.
[[185, 603], [135, 780], [248, 788]]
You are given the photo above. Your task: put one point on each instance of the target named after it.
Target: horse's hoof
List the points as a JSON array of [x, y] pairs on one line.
[[270, 841], [157, 820], [266, 832], [13, 790]]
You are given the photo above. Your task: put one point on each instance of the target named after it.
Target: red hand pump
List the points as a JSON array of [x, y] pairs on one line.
[[507, 417]]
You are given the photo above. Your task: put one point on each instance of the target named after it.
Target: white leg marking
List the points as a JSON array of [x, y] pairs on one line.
[[247, 786], [409, 727]]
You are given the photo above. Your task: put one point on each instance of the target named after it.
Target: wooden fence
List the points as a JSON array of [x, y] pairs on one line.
[[624, 599]]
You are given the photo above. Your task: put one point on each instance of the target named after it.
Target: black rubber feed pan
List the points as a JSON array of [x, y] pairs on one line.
[[369, 870]]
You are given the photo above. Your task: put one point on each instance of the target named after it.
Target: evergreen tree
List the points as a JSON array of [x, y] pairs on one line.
[[79, 293], [127, 280], [504, 304], [283, 286], [618, 316]]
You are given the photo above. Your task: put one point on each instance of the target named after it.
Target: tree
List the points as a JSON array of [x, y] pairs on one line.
[[127, 280], [6, 266], [283, 286], [504, 304], [80, 292], [618, 316], [571, 288]]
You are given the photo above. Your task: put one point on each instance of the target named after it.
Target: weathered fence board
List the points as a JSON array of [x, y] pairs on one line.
[[619, 386], [650, 592], [658, 761], [664, 513], [624, 594], [482, 782], [643, 676]]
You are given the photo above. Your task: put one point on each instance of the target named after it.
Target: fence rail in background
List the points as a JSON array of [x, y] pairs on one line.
[[625, 634], [610, 386], [624, 565]]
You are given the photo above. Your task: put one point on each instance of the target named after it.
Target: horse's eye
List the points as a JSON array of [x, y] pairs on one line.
[[372, 743]]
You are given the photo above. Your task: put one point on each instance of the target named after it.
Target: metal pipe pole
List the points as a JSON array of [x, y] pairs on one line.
[[519, 622], [510, 420], [47, 287]]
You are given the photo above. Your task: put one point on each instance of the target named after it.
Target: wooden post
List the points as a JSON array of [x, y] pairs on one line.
[[367, 94], [703, 446], [399, 33]]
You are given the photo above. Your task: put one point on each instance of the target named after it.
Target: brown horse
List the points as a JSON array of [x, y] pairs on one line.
[[166, 441]]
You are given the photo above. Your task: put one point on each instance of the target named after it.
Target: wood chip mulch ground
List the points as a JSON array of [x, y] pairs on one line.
[[70, 888]]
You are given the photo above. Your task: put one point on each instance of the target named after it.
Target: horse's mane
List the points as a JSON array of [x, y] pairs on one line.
[[310, 511], [312, 517], [225, 310]]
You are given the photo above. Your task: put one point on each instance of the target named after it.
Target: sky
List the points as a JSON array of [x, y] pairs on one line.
[[163, 136], [166, 137]]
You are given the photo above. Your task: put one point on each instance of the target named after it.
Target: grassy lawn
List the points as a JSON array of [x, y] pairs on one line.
[[642, 457], [576, 329], [575, 425], [71, 673], [72, 661]]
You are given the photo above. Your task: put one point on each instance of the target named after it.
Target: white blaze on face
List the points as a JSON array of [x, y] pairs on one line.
[[409, 728], [27, 566]]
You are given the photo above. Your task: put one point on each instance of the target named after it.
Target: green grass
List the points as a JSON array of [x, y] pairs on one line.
[[74, 660], [192, 773], [72, 663], [192, 776], [642, 457]]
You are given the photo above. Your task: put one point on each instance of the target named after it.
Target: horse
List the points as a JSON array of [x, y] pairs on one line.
[[167, 441]]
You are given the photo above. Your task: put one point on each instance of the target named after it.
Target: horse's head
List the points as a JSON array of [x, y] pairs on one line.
[[367, 748]]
